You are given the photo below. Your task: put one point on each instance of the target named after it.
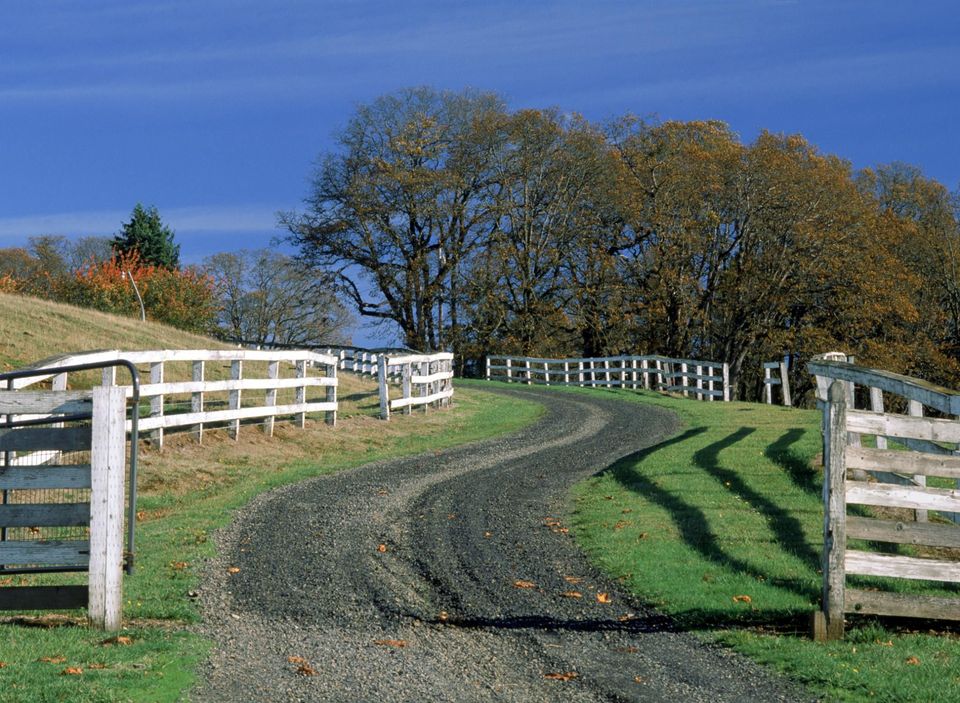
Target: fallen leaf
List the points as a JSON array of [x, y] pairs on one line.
[[306, 670], [638, 679], [524, 584], [452, 516], [296, 660], [443, 616], [888, 643], [52, 660], [564, 676], [119, 639], [913, 660], [627, 650], [742, 599], [178, 565], [572, 579], [390, 643], [603, 597], [626, 617], [140, 515], [6, 581], [487, 535], [97, 666], [608, 497], [572, 594], [642, 535], [381, 548], [72, 671], [234, 570], [626, 510], [3, 665]]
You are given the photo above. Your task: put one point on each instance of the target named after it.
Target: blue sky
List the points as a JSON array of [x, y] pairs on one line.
[[215, 110]]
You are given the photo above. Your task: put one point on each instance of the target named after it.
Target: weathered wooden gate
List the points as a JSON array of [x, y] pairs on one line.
[[62, 471], [891, 485]]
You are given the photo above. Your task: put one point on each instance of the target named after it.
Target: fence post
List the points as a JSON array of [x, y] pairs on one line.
[[828, 623], [488, 368], [273, 372], [645, 373], [767, 390], [330, 417], [196, 399], [580, 373], [915, 409], [236, 374], [509, 376], [301, 392], [699, 382], [785, 384], [526, 363], [108, 466], [726, 382], [546, 372], [384, 388], [566, 373], [407, 389]]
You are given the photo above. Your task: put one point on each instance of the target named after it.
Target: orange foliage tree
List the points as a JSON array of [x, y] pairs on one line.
[[182, 298]]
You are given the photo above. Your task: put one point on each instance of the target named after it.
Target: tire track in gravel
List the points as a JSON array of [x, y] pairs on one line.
[[461, 528]]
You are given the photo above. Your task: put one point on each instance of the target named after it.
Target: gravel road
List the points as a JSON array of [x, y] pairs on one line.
[[442, 577]]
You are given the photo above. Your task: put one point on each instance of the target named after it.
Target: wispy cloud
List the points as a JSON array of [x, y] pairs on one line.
[[190, 220]]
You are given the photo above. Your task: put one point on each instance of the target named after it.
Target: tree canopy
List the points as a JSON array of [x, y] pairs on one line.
[[485, 230]]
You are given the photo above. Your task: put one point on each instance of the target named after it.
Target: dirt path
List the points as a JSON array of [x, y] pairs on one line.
[[399, 581]]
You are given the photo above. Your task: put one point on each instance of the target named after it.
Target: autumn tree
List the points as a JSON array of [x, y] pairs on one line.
[[269, 298], [396, 209], [149, 237]]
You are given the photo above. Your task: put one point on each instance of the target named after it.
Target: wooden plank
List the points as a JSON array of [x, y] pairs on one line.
[[925, 428], [929, 394], [44, 477], [239, 414], [31, 439], [420, 400], [425, 358], [108, 461], [785, 382], [771, 364], [893, 496], [945, 465], [44, 402], [434, 377], [256, 384], [772, 381], [895, 566], [902, 605], [897, 532], [45, 552], [43, 597], [44, 514]]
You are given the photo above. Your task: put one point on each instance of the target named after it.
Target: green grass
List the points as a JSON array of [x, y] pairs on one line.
[[176, 536], [720, 527]]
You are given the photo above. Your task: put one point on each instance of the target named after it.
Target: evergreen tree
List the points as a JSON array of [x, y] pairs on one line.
[[146, 234]]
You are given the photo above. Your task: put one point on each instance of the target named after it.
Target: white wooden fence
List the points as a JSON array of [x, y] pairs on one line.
[[425, 379], [703, 380], [365, 362], [93, 423], [892, 482], [769, 381], [233, 388]]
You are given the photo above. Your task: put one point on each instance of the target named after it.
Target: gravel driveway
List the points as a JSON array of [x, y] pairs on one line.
[[448, 577]]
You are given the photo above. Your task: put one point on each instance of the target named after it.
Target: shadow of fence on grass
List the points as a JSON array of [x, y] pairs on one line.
[[692, 522]]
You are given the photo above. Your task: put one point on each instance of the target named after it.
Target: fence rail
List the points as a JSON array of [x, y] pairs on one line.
[[769, 381], [704, 380], [425, 379], [890, 480], [234, 391]]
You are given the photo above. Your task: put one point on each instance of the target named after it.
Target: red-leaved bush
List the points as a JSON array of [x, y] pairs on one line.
[[182, 298]]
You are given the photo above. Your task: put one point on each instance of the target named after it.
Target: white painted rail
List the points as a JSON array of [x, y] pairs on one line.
[[425, 380], [206, 395], [693, 378]]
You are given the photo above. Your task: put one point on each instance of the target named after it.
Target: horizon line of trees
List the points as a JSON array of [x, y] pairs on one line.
[[484, 230]]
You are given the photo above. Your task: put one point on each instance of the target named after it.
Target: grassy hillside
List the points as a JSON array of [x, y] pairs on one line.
[[33, 329]]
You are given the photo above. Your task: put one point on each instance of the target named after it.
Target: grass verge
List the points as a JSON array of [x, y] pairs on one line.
[[720, 527], [188, 492]]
